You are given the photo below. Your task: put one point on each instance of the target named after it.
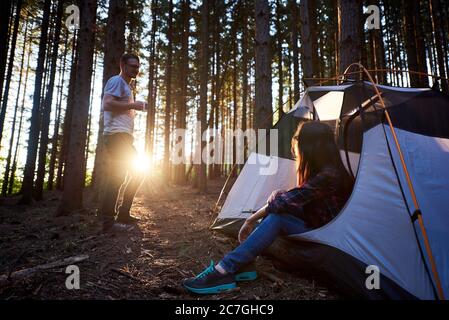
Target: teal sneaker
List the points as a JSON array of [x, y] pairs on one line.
[[247, 273], [210, 281]]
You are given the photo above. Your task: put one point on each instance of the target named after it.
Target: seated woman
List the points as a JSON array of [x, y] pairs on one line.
[[323, 188]]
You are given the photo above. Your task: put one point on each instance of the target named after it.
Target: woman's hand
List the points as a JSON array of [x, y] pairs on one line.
[[251, 222], [274, 194], [246, 230]]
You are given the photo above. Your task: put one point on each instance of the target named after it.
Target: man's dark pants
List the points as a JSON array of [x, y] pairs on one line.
[[120, 173]]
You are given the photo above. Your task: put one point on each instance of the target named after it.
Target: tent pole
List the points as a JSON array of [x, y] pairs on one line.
[[409, 182], [378, 70], [224, 189]]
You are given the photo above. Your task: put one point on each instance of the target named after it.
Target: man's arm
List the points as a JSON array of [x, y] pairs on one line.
[[112, 103]]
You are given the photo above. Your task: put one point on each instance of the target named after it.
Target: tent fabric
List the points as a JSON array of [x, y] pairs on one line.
[[376, 226], [427, 160], [245, 198], [338, 269], [364, 228]]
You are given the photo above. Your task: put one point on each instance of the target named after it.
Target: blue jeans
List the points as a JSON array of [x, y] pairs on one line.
[[261, 238]]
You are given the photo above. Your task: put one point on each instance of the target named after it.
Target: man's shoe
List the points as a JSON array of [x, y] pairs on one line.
[[127, 219], [108, 222], [117, 227], [210, 281], [247, 273]]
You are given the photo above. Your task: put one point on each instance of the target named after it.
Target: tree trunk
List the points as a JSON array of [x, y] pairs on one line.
[[168, 80], [244, 76], [215, 78], [89, 124], [114, 47], [263, 103], [39, 187], [294, 48], [420, 45], [19, 134], [220, 74], [184, 73], [55, 138], [151, 116], [72, 197], [202, 111], [377, 49], [410, 37], [309, 41], [68, 114], [10, 68], [234, 92], [13, 128], [350, 41], [440, 40], [33, 138], [5, 9], [290, 81], [279, 54]]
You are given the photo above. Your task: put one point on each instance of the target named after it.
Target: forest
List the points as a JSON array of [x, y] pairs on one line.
[[215, 64]]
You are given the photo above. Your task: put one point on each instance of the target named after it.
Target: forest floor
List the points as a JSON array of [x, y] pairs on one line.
[[172, 241]]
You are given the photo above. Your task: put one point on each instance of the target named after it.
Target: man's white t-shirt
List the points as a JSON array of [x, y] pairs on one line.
[[118, 122]]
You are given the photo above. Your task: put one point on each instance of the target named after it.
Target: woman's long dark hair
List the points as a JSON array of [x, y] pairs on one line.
[[316, 147]]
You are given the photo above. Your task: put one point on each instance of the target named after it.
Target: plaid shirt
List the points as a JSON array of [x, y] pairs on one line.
[[317, 201]]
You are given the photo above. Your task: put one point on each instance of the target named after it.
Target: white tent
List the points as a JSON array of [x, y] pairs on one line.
[[379, 225]]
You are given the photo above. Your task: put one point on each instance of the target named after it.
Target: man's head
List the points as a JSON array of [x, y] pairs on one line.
[[129, 65]]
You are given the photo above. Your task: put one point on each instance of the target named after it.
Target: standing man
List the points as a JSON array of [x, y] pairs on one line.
[[119, 109]]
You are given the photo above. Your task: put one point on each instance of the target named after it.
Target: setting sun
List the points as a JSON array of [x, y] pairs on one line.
[[142, 163]]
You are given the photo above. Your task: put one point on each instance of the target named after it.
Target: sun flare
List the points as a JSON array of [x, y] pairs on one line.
[[142, 163]]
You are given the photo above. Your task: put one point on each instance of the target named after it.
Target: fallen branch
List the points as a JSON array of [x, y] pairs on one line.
[[86, 239], [26, 273], [126, 274], [272, 277], [176, 267]]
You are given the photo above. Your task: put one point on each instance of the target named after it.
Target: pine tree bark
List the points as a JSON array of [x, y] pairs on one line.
[[294, 48], [89, 122], [220, 74], [410, 7], [234, 91], [114, 47], [184, 72], [349, 29], [202, 110], [4, 105], [151, 116], [5, 182], [62, 158], [11, 180], [309, 41], [55, 139], [74, 181], [33, 138], [168, 94], [48, 101], [279, 56], [5, 9], [263, 99], [440, 40], [244, 76], [377, 49]]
